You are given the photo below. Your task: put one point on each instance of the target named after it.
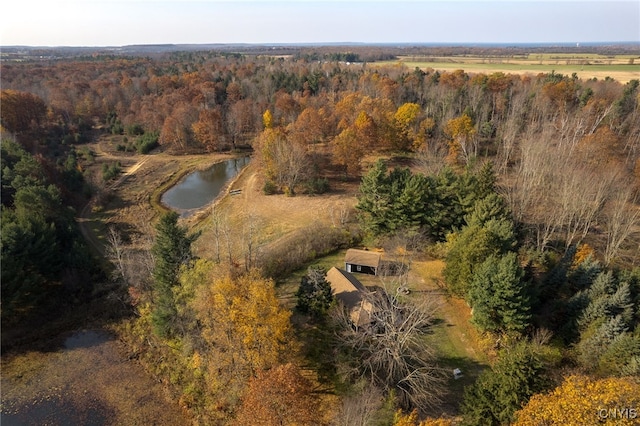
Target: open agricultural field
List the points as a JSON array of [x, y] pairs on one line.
[[622, 68]]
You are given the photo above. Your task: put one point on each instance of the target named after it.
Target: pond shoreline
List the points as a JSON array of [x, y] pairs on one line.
[[195, 190]]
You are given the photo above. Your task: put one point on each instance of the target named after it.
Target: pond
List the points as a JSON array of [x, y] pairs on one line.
[[202, 186]]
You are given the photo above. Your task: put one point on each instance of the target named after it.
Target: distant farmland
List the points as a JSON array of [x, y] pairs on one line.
[[586, 65]]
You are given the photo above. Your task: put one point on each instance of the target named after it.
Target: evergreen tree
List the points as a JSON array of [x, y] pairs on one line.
[[39, 243], [492, 206], [498, 393], [486, 180], [472, 246], [172, 250], [374, 201], [498, 296], [314, 294]]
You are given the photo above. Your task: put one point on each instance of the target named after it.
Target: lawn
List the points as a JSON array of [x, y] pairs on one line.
[[456, 342]]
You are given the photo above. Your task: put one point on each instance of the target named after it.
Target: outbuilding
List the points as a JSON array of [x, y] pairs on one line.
[[362, 261]]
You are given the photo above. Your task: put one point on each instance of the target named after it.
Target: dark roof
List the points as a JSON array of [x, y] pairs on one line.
[[362, 257]]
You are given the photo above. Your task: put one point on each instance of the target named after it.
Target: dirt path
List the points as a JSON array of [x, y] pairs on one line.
[[130, 171], [249, 186], [84, 219]]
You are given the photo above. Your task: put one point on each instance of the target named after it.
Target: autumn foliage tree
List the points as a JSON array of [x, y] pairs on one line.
[[348, 151], [285, 161], [244, 331], [581, 400], [277, 397], [208, 130], [21, 110], [411, 419], [462, 145]]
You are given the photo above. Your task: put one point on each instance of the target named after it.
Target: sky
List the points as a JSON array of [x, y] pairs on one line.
[[122, 22]]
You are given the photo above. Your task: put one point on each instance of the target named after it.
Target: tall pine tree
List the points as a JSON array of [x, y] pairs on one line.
[[499, 297], [171, 250]]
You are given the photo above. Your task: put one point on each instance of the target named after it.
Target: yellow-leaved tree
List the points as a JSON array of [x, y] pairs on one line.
[[582, 400], [405, 120], [267, 119], [285, 161], [243, 329], [463, 144], [411, 419]]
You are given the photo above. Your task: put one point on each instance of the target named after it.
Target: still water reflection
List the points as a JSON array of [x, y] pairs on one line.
[[202, 186]]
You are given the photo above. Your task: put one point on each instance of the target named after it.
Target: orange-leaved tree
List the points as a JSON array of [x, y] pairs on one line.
[[208, 130], [279, 396], [20, 110], [348, 151]]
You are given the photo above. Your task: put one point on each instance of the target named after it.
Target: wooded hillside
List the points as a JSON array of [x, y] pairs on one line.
[[527, 186]]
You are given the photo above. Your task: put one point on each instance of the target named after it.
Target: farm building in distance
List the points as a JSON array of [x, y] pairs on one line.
[[351, 293], [362, 261]]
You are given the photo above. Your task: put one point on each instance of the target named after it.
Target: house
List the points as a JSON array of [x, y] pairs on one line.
[[352, 294], [362, 261]]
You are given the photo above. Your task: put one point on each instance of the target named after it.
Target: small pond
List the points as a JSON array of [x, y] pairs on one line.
[[202, 186]]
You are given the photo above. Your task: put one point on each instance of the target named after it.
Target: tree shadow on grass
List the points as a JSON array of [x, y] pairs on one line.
[[469, 369]]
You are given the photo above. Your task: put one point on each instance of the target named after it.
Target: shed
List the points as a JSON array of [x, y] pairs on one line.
[[362, 261], [351, 293]]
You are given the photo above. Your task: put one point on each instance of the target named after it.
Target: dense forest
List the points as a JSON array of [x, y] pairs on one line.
[[527, 186]]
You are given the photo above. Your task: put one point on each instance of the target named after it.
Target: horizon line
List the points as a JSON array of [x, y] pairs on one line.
[[338, 43]]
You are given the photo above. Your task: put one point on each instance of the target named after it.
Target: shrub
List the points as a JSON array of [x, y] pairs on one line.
[[147, 142], [110, 171], [294, 251], [269, 188], [135, 129], [317, 186]]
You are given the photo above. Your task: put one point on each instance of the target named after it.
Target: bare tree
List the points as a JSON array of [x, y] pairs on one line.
[[249, 236], [510, 130], [390, 351], [622, 217], [361, 408], [431, 157], [216, 221], [340, 214], [117, 255], [582, 195]]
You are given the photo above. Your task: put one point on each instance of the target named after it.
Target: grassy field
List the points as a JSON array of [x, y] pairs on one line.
[[622, 68]]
